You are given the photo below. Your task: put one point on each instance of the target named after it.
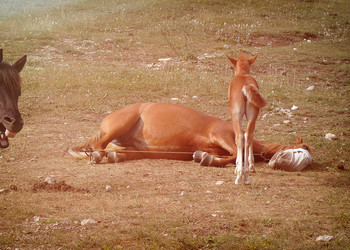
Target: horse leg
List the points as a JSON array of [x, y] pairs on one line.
[[113, 126], [239, 160], [252, 114], [99, 147]]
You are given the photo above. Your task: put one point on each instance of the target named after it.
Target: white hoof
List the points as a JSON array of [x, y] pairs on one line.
[[247, 180], [112, 157], [198, 156], [96, 158], [238, 180], [252, 168]]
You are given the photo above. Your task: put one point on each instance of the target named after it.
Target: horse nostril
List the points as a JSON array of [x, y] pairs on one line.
[[9, 119]]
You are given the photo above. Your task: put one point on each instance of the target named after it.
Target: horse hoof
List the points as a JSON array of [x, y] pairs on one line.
[[112, 157], [96, 158], [247, 180], [252, 168], [198, 156], [238, 180], [206, 160]]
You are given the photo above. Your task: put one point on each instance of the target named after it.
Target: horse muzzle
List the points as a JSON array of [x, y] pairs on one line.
[[12, 125]]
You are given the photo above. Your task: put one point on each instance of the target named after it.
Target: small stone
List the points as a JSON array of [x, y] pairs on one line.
[[294, 107], [50, 180], [310, 88], [109, 188], [219, 183], [325, 238], [87, 222], [330, 136], [286, 121], [164, 59]]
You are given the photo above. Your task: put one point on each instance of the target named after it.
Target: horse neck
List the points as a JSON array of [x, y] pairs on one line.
[[242, 71], [269, 149]]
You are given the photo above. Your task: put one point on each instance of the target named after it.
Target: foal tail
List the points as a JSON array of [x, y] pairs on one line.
[[254, 96], [79, 151]]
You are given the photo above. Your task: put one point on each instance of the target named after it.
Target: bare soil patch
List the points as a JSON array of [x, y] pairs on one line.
[[57, 187]]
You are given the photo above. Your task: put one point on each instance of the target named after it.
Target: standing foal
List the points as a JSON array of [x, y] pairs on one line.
[[244, 100]]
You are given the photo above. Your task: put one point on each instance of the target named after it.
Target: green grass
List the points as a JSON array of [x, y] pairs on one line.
[[91, 57]]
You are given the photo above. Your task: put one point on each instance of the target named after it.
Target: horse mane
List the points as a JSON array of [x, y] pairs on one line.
[[10, 78], [267, 150]]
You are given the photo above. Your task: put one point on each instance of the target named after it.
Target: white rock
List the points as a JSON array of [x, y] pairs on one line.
[[310, 88], [50, 179], [175, 99], [87, 222], [194, 97], [109, 188], [325, 238], [286, 121], [219, 183], [38, 218], [330, 136], [294, 107], [182, 193], [164, 59]]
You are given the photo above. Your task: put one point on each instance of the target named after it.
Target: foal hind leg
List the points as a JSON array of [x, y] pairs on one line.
[[252, 113]]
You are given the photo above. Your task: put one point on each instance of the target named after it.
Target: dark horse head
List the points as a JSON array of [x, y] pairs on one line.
[[10, 89]]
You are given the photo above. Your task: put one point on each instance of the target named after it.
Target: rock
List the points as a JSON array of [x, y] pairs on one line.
[[164, 59], [88, 222], [330, 136], [311, 88], [50, 180], [294, 107], [109, 188], [175, 99], [39, 218], [325, 238], [219, 183], [286, 121], [109, 40]]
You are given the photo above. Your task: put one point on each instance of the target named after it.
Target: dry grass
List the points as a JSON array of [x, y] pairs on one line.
[[92, 57]]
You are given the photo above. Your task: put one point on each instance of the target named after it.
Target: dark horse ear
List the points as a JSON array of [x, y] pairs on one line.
[[1, 55], [20, 64]]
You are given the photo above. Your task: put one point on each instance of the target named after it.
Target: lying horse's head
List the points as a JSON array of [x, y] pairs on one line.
[[301, 144], [10, 89]]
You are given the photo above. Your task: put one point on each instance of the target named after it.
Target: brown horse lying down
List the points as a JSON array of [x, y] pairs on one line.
[[168, 131]]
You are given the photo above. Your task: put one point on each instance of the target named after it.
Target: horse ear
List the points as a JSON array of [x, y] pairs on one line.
[[299, 140], [1, 55], [252, 60], [233, 61], [20, 64]]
